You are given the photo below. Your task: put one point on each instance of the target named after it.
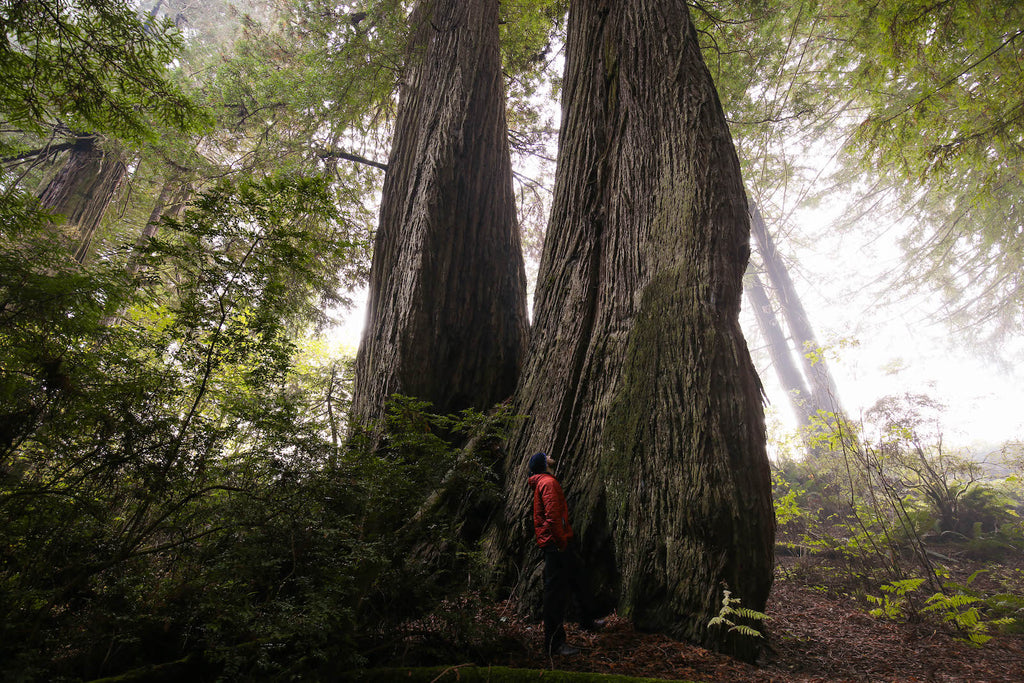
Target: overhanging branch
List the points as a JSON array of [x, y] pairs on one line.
[[348, 156]]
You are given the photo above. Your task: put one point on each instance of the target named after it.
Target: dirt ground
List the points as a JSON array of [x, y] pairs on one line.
[[816, 633]]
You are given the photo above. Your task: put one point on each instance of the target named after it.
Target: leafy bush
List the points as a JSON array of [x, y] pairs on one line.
[[173, 475], [887, 504], [957, 604]]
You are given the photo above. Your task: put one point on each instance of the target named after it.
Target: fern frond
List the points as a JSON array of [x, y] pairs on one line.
[[747, 613], [948, 602], [747, 631]]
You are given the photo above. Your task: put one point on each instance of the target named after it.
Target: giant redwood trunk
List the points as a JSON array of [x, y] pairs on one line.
[[446, 318], [82, 190], [638, 380]]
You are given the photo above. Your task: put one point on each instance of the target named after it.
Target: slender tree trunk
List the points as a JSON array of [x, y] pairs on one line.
[[800, 397], [170, 202], [823, 387], [638, 380], [82, 190], [446, 318], [778, 348]]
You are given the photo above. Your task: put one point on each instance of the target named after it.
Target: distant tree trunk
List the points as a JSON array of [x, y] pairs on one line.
[[446, 318], [779, 350], [638, 380], [82, 190], [800, 397], [823, 387], [170, 202]]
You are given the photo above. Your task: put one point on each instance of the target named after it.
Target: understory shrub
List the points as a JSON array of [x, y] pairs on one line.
[[177, 479], [889, 511]]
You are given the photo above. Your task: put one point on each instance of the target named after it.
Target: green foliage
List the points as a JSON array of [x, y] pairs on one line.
[[883, 500], [732, 612], [531, 34], [959, 605], [171, 469], [432, 511], [889, 486], [892, 604], [787, 509], [293, 91], [251, 257], [951, 70], [90, 65]]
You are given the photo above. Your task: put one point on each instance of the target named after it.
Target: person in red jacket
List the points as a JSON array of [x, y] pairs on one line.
[[563, 571]]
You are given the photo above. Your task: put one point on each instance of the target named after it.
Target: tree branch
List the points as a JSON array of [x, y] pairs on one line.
[[348, 156], [31, 154]]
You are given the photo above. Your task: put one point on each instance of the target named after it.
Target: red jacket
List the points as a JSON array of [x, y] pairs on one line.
[[550, 513]]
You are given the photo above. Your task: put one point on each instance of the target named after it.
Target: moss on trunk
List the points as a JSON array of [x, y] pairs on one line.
[[638, 379]]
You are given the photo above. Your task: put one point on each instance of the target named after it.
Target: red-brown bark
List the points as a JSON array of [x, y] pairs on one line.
[[446, 317], [638, 379], [82, 190]]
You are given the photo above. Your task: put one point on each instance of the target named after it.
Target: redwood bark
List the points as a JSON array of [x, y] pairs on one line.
[[82, 190], [638, 380], [446, 319]]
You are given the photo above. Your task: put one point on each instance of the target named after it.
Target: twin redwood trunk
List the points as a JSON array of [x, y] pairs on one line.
[[447, 309], [638, 380]]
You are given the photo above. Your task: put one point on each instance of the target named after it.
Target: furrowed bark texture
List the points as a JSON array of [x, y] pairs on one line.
[[446, 318], [638, 380], [82, 190]]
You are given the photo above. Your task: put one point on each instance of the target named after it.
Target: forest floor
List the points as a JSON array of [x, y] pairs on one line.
[[817, 631]]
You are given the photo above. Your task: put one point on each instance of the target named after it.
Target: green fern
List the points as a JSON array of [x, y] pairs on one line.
[[731, 610], [958, 609], [940, 601]]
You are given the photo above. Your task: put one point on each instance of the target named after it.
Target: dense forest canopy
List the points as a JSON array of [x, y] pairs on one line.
[[189, 198]]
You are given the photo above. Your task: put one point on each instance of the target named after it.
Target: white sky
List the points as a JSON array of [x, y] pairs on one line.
[[878, 350]]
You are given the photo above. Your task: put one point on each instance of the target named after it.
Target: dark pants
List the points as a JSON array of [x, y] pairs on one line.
[[563, 575]]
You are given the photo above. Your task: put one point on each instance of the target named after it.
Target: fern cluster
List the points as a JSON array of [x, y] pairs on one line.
[[731, 612]]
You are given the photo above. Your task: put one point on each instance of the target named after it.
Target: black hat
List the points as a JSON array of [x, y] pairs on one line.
[[538, 463]]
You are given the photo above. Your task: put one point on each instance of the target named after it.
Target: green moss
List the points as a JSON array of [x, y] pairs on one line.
[[491, 674]]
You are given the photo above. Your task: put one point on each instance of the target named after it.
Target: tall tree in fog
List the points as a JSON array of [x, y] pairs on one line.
[[823, 393], [921, 103], [446, 318], [778, 349], [82, 190], [638, 379]]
